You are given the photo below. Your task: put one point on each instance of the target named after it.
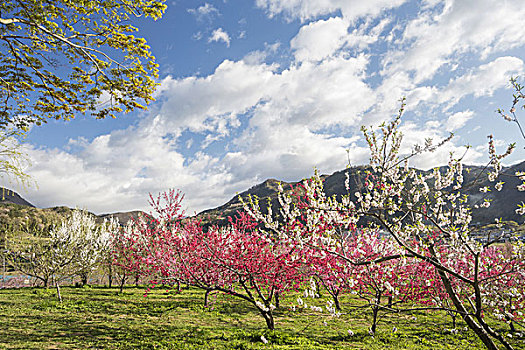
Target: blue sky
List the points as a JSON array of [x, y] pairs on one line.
[[251, 90]]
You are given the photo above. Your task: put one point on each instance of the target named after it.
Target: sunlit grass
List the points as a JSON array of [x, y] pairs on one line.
[[100, 318]]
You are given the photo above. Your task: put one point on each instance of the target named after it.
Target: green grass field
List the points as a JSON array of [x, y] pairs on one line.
[[100, 318]]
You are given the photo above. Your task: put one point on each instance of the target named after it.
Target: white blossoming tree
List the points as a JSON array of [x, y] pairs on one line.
[[427, 215], [94, 242], [73, 248], [109, 229]]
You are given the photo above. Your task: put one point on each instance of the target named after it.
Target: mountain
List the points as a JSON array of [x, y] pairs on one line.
[[9, 196], [123, 217], [265, 190], [503, 203], [13, 207]]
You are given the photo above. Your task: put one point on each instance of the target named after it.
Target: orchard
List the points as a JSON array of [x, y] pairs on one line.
[[401, 243]]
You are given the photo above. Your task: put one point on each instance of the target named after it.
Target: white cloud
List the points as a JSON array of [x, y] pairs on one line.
[[291, 119], [298, 126], [220, 34], [320, 39], [478, 81], [458, 120], [256, 120], [361, 37], [415, 134], [324, 39], [292, 115], [258, 57], [483, 80], [320, 95], [289, 152], [431, 41], [308, 9], [233, 88], [197, 36], [115, 172], [298, 8], [206, 11]]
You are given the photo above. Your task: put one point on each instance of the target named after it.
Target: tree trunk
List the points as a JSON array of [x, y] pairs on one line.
[[206, 297], [335, 296], [471, 323], [511, 324], [268, 317], [318, 287], [375, 313], [110, 275], [492, 332], [277, 300], [58, 290], [122, 281], [5, 271], [512, 328], [84, 279]]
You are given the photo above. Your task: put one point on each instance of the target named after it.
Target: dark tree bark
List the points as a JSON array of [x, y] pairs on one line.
[[375, 313], [268, 317], [206, 297], [122, 282], [467, 317], [110, 275]]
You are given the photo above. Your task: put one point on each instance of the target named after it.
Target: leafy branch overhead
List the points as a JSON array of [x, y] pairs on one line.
[[61, 58]]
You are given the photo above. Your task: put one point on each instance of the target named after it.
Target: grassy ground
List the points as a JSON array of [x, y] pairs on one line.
[[99, 318]]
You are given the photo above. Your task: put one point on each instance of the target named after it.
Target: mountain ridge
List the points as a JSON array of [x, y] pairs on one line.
[[503, 204], [10, 197]]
